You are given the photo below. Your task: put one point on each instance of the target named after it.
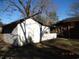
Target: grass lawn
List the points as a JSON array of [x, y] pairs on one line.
[[46, 50], [68, 44]]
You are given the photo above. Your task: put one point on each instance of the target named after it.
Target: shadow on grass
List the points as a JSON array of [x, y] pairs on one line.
[[32, 52]]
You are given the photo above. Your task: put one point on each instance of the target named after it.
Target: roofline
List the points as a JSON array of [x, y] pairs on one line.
[[66, 20], [12, 25], [21, 20], [70, 18]]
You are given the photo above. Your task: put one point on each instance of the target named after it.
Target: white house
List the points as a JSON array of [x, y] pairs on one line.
[[19, 32]]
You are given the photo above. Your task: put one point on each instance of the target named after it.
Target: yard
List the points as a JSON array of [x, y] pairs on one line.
[[67, 44], [56, 48]]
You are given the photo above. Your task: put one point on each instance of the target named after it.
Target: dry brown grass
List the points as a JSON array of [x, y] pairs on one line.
[[67, 44], [3, 45]]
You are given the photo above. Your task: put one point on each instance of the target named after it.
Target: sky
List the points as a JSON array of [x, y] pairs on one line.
[[62, 8]]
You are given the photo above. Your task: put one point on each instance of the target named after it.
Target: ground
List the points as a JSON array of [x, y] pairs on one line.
[[59, 48], [67, 44]]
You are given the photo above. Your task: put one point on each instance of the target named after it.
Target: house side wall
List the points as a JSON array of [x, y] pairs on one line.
[[25, 30], [68, 30], [10, 37], [31, 29], [45, 29]]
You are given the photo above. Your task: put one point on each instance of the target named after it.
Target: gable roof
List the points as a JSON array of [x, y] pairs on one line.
[[8, 28], [71, 19]]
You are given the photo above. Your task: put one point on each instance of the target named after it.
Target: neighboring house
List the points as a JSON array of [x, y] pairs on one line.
[[22, 31], [67, 28], [1, 36], [1, 27]]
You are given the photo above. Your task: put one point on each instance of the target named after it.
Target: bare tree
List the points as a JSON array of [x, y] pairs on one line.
[[42, 5], [53, 16], [74, 9], [26, 8]]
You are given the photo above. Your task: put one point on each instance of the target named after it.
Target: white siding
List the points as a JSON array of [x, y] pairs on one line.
[[32, 29], [49, 36]]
